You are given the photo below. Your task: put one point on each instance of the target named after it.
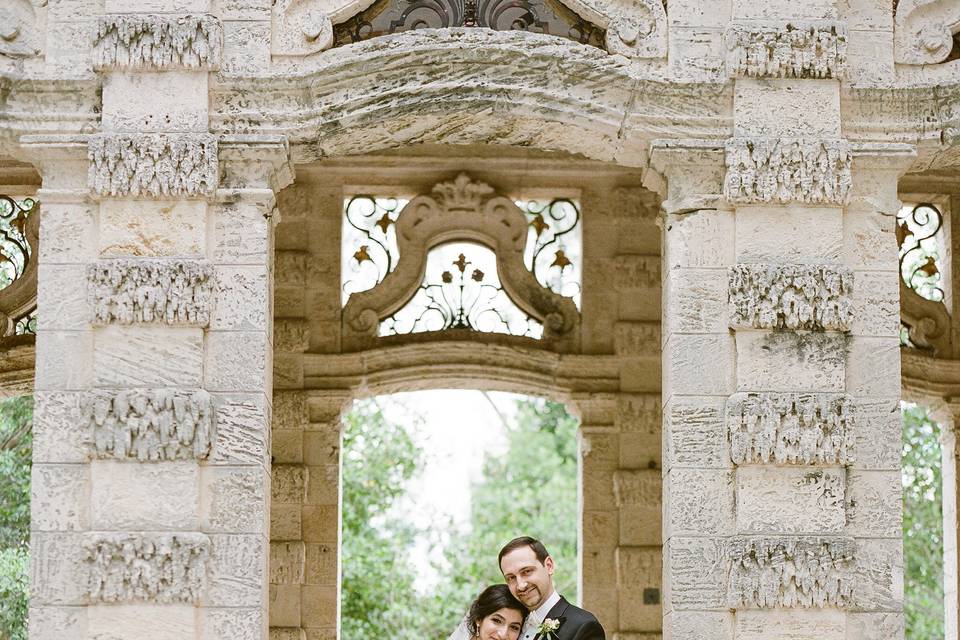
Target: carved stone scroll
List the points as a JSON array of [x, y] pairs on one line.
[[924, 30], [809, 49], [152, 291], [164, 568], [784, 170], [468, 211], [157, 42], [790, 428], [791, 572], [299, 28], [159, 165], [814, 297], [149, 425], [20, 33]]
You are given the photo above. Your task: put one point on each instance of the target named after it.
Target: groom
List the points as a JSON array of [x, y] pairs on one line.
[[528, 570]]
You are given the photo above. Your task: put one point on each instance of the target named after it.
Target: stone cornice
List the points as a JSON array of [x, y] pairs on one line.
[[157, 42]]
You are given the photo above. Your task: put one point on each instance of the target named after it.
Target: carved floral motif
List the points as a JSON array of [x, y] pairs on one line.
[[167, 291], [813, 297], [791, 572], [812, 49], [125, 567], [155, 424], [787, 170], [153, 165], [154, 42], [790, 428]]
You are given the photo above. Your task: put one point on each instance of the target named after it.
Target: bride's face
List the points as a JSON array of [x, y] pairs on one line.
[[502, 624]]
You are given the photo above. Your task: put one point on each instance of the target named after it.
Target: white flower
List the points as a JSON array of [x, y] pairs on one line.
[[549, 625]]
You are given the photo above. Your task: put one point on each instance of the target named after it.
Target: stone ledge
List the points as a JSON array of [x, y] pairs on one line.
[[797, 49], [153, 291], [811, 572], [785, 170], [153, 165], [794, 297], [149, 424], [790, 428], [157, 42], [128, 567]]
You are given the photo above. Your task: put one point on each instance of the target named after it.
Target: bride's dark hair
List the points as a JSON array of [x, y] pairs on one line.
[[491, 599]]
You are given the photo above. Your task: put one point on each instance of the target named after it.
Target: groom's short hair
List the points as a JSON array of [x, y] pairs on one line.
[[524, 541]]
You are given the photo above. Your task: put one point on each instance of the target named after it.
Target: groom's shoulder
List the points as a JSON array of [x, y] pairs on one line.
[[581, 615]]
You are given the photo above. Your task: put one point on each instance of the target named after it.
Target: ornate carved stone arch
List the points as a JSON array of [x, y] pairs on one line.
[[464, 211], [924, 30]]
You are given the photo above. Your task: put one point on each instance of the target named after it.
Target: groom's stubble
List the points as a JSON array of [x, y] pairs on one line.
[[530, 581]]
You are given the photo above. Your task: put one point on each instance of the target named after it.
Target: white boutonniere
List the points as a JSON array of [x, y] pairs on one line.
[[548, 628]]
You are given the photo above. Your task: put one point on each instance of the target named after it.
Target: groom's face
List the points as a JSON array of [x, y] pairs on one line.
[[530, 581]]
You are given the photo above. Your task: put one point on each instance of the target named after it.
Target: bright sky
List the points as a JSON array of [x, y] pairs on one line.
[[459, 428]]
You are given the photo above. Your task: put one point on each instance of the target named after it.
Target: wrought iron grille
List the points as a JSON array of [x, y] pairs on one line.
[[18, 226], [538, 16], [917, 229]]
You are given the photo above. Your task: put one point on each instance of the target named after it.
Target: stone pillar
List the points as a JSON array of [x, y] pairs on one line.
[[154, 351]]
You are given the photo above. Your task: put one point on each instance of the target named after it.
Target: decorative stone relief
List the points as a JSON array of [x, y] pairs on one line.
[[153, 165], [642, 34], [923, 31], [151, 291], [810, 49], [20, 35], [157, 42], [807, 170], [149, 425], [815, 297], [790, 428], [299, 28], [126, 567], [791, 572]]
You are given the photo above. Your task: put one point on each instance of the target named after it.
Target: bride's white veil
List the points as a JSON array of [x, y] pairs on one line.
[[461, 632]]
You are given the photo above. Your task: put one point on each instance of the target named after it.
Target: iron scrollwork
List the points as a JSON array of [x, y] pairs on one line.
[[19, 235], [553, 249], [538, 16], [370, 232], [917, 228]]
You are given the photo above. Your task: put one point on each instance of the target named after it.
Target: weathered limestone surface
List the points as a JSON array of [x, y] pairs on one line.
[[791, 428], [150, 42], [149, 425], [158, 165], [792, 572], [148, 567], [152, 291], [796, 49], [791, 297], [783, 170]]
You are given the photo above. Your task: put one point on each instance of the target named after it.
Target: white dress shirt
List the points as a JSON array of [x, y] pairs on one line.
[[537, 616]]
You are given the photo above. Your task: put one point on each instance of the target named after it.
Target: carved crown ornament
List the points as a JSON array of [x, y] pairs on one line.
[[304, 27], [457, 213]]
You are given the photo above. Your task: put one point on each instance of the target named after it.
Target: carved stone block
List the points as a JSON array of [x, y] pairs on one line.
[[791, 572], [812, 171], [790, 428], [125, 567], [153, 291], [814, 297], [155, 424], [153, 165], [807, 49], [157, 42]]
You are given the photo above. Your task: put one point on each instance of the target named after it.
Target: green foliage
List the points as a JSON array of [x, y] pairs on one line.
[[922, 526], [16, 444]]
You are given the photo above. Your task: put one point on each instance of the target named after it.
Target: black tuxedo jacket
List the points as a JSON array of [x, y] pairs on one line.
[[577, 624]]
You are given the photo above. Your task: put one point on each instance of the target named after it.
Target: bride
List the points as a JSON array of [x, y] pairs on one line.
[[494, 615]]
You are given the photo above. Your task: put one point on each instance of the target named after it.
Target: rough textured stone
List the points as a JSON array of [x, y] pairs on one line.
[[790, 428], [156, 424], [790, 297], [146, 41], [799, 49], [792, 572], [159, 165], [787, 170], [148, 567], [160, 291]]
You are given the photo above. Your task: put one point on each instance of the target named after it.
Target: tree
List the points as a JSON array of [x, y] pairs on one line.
[[380, 457], [531, 490], [922, 525], [16, 444]]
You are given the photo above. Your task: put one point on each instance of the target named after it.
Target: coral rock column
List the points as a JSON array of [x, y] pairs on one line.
[[151, 496]]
